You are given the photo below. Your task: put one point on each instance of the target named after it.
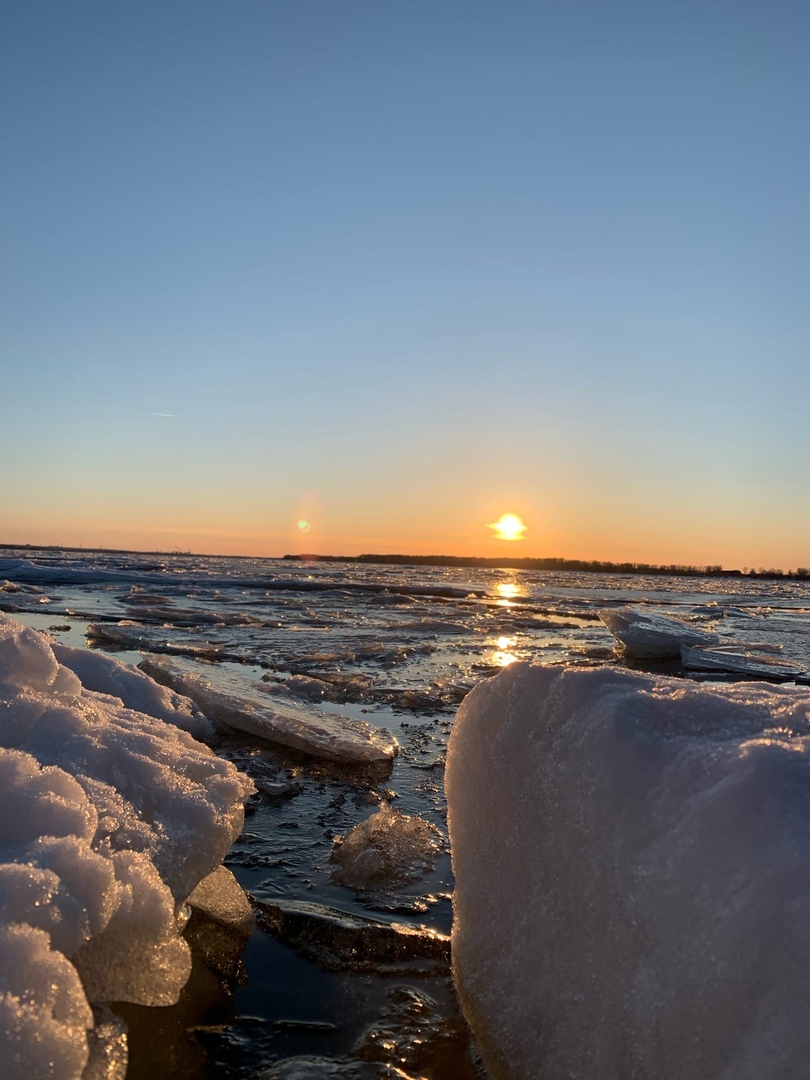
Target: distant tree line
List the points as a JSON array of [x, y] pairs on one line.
[[591, 566]]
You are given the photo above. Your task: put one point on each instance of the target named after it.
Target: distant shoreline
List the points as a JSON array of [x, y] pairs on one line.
[[588, 566]]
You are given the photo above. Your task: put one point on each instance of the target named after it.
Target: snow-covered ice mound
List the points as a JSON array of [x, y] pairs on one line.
[[106, 675], [108, 820], [632, 858], [324, 735], [648, 635]]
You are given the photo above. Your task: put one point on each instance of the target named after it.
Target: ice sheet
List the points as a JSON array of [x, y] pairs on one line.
[[632, 857]]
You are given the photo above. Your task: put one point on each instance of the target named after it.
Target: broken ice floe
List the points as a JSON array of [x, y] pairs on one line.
[[753, 661], [130, 635], [326, 686], [342, 942], [631, 856], [324, 735], [648, 635], [108, 819]]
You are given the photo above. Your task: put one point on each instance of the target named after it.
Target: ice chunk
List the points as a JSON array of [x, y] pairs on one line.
[[221, 922], [648, 635], [329, 736], [108, 819], [631, 856], [220, 897], [388, 850], [106, 675]]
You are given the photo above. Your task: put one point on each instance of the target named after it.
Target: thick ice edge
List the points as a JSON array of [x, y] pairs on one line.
[[109, 818], [632, 858]]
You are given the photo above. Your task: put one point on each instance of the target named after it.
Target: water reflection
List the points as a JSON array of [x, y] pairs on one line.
[[503, 657], [507, 591]]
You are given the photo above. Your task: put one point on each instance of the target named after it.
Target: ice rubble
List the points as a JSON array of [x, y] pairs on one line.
[[324, 735], [108, 820], [648, 635], [388, 849], [632, 855]]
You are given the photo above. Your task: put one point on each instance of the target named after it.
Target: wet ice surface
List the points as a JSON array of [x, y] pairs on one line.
[[395, 647]]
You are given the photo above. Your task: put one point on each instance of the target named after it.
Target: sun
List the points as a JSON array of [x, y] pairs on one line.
[[508, 527]]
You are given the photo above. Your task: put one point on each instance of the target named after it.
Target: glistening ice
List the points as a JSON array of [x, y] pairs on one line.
[[108, 820], [632, 861]]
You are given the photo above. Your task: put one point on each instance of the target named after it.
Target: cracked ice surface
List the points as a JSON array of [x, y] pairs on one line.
[[108, 820], [631, 856]]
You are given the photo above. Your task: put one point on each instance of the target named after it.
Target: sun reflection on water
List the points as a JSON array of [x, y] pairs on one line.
[[507, 591], [504, 656]]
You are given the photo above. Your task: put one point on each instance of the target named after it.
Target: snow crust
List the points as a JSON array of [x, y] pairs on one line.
[[329, 736], [647, 635], [108, 819], [632, 857]]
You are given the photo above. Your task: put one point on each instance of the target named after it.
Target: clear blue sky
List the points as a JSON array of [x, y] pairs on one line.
[[397, 268]]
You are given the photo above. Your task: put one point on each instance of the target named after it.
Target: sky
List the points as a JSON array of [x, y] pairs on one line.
[[394, 269]]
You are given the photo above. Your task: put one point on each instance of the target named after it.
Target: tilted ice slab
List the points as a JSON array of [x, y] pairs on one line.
[[632, 857], [647, 635], [329, 736], [108, 820]]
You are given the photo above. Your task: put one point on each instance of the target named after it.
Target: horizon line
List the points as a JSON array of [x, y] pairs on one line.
[[628, 566]]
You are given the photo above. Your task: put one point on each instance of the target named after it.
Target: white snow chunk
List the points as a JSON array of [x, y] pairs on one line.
[[108, 820], [106, 675], [648, 635], [632, 855], [329, 736]]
